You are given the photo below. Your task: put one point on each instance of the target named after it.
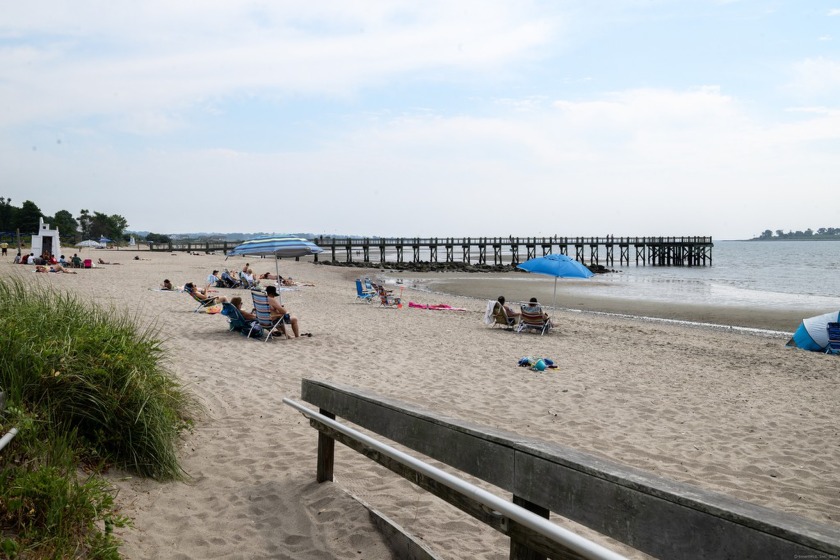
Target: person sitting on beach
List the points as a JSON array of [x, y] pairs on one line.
[[103, 262], [17, 258], [280, 312], [213, 280], [247, 278], [534, 307], [76, 260], [236, 301], [167, 285], [199, 295], [512, 316]]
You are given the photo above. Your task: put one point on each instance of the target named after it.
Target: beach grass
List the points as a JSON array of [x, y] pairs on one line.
[[87, 387]]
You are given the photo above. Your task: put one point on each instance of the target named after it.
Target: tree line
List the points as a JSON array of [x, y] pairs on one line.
[[821, 233], [87, 225]]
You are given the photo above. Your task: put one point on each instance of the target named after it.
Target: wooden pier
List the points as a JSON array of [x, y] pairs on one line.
[[654, 251], [606, 251]]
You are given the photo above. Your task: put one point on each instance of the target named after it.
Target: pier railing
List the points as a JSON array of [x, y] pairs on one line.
[[607, 251], [655, 251]]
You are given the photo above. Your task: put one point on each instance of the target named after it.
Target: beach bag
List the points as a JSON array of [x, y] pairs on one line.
[[256, 330]]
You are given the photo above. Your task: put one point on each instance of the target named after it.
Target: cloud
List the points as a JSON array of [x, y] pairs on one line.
[[103, 59], [815, 77], [694, 158]]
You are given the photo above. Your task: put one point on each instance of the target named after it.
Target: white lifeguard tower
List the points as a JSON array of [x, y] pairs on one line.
[[46, 241]]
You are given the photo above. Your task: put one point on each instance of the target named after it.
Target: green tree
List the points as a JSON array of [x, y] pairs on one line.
[[766, 234], [66, 224], [111, 227], [8, 214], [29, 218], [780, 233], [158, 238], [85, 223]]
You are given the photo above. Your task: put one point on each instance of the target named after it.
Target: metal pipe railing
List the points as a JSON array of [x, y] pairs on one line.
[[578, 544], [4, 441]]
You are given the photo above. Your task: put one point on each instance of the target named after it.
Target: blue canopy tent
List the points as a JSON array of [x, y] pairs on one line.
[[812, 333]]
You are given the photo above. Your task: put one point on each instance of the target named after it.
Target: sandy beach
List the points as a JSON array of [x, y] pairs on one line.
[[731, 411]]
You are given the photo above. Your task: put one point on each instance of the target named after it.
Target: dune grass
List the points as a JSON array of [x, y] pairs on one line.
[[88, 388]]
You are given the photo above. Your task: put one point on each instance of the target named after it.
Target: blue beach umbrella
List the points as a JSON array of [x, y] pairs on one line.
[[279, 246], [559, 266], [812, 333]]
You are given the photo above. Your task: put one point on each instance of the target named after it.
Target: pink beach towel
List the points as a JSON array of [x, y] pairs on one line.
[[436, 307]]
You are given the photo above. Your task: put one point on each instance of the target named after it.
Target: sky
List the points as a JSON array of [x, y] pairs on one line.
[[436, 118]]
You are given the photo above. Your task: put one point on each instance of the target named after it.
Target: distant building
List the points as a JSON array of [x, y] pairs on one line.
[[46, 241]]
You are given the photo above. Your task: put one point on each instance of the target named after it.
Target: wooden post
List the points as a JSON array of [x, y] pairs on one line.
[[519, 551], [326, 453]]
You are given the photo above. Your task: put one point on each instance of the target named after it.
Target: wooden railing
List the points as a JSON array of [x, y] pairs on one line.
[[663, 518]]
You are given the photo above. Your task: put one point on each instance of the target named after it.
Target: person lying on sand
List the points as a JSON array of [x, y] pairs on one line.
[[106, 262], [53, 268]]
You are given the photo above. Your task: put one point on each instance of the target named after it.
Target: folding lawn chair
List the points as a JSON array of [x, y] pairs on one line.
[[833, 346], [362, 294], [533, 321], [262, 310], [203, 301], [236, 322]]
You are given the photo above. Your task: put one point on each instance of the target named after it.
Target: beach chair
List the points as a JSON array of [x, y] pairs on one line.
[[370, 287], [387, 300], [532, 319], [203, 301], [229, 281], [498, 316], [262, 310], [236, 322], [833, 346], [362, 294]]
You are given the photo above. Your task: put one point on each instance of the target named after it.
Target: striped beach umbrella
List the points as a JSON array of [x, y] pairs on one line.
[[812, 333], [279, 246]]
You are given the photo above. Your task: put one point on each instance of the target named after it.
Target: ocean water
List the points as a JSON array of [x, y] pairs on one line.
[[770, 275]]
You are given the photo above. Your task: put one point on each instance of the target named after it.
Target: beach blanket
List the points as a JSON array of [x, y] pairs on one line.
[[435, 306], [213, 309]]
